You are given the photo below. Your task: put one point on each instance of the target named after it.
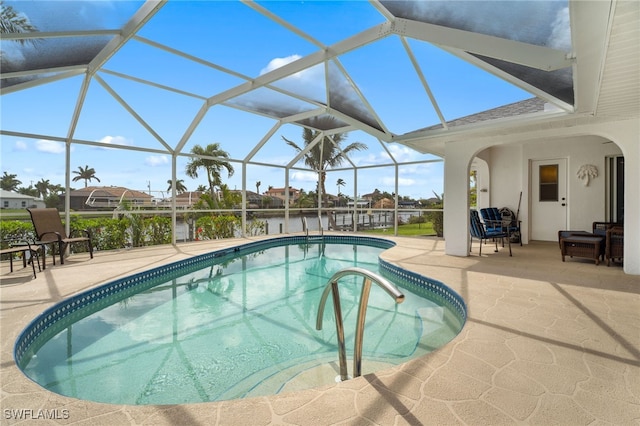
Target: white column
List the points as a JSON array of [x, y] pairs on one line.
[[456, 199], [628, 142]]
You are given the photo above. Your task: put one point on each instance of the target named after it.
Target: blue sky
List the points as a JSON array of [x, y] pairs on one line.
[[236, 38]]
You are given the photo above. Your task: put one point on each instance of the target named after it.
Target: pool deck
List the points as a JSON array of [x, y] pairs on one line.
[[546, 342]]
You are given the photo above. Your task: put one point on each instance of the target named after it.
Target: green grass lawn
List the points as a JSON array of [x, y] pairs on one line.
[[414, 229]]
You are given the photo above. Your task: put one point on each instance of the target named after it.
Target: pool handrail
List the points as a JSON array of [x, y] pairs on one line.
[[332, 285], [305, 227]]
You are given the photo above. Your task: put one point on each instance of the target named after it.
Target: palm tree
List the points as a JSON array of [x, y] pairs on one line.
[[8, 182], [305, 200], [213, 166], [43, 187], [258, 183], [340, 183], [12, 21], [180, 187], [324, 154], [85, 174], [56, 189]]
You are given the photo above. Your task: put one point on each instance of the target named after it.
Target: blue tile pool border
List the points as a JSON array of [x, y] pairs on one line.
[[69, 310]]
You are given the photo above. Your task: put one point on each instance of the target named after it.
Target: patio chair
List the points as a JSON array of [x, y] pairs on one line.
[[478, 230], [600, 228], [49, 230], [615, 244], [495, 221], [24, 247]]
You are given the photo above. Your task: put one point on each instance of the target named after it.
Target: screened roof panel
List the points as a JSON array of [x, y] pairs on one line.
[[459, 88], [215, 48], [310, 83], [227, 33], [48, 53], [558, 83], [276, 151], [271, 103], [236, 131], [75, 15], [167, 113], [328, 22], [104, 119], [540, 22], [143, 61], [345, 97], [30, 52], [48, 108], [323, 122], [399, 80]]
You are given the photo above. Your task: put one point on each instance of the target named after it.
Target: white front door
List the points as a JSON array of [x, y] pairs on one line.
[[548, 198]]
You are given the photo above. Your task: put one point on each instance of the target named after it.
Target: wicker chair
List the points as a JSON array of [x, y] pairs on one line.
[[615, 244], [600, 228]]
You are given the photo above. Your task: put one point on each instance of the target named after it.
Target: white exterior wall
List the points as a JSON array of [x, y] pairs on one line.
[[18, 201], [507, 180], [585, 204], [508, 155]]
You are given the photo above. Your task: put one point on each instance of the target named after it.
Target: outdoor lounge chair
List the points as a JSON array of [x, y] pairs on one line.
[[478, 230], [49, 230]]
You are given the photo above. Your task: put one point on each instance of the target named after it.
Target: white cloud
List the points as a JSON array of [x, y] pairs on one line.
[[403, 154], [20, 146], [390, 181], [156, 160], [560, 37], [50, 147], [116, 140], [309, 82], [304, 177], [279, 62]]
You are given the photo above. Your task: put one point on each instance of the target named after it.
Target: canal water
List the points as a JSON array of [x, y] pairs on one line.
[[276, 225]]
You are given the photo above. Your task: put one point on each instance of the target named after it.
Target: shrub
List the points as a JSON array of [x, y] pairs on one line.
[[417, 219], [256, 227], [15, 229], [158, 230], [106, 233], [215, 227]]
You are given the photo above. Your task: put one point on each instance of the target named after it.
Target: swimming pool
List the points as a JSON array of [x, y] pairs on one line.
[[249, 331]]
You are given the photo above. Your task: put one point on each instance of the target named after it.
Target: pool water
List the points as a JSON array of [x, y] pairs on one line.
[[242, 324]]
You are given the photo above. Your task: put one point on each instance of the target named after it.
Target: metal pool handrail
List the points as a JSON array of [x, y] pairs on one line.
[[305, 227], [332, 285]]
